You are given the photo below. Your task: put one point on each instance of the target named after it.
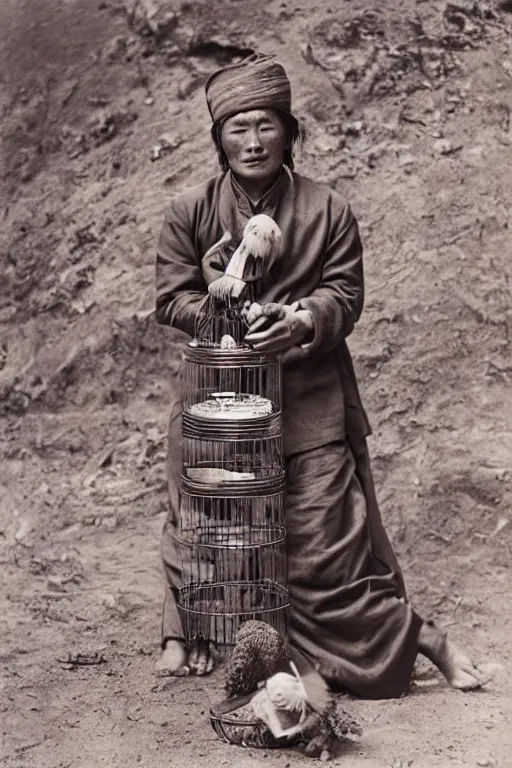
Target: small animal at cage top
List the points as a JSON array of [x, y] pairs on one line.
[[227, 342]]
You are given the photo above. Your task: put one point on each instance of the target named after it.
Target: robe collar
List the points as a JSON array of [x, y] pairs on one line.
[[266, 202], [235, 207]]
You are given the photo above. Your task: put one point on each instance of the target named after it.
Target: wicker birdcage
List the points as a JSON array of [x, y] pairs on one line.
[[231, 532], [234, 378]]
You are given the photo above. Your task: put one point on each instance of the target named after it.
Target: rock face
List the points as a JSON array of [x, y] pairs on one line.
[[156, 17]]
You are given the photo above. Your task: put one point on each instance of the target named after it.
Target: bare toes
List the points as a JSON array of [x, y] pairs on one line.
[[472, 677], [466, 681], [204, 664], [172, 662], [200, 659]]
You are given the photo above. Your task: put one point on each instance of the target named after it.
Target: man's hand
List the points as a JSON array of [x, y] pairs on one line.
[[291, 330]]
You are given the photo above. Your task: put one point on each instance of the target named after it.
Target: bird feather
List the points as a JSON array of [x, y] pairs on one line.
[[261, 242]]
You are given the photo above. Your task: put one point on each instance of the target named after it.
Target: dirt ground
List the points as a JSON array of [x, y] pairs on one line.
[[103, 120]]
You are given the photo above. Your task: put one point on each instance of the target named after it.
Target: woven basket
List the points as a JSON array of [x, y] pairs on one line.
[[243, 731]]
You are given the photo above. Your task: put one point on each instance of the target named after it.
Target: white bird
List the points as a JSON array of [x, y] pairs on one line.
[[282, 703], [261, 244]]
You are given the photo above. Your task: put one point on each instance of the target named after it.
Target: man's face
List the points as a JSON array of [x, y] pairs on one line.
[[254, 143]]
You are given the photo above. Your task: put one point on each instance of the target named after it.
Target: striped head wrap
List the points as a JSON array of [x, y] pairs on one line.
[[257, 82]]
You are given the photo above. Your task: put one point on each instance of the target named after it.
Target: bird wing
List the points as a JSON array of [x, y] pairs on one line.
[[317, 691], [265, 710]]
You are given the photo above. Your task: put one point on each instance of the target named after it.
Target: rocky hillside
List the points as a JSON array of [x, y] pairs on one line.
[[407, 108]]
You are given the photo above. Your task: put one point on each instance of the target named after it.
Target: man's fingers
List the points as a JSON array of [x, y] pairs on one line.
[[271, 345], [262, 323], [267, 348], [252, 312], [258, 337], [276, 331]]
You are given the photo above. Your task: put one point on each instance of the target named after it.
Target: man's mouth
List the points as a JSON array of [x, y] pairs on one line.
[[255, 161]]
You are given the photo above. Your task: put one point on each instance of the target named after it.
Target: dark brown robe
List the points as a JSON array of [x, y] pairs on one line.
[[348, 609]]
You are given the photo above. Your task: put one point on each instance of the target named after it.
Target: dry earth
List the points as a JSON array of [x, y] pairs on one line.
[[408, 107]]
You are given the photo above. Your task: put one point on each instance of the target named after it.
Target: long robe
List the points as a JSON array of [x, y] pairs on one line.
[[350, 617]]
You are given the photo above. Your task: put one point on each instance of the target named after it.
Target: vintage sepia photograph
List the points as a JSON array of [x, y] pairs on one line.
[[256, 383]]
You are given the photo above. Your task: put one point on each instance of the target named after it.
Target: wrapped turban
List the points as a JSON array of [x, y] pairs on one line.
[[257, 82]]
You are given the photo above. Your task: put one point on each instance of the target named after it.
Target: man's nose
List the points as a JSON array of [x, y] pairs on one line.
[[254, 143]]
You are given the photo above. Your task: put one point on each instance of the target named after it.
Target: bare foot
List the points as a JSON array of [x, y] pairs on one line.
[[454, 663], [173, 660], [201, 658], [458, 668]]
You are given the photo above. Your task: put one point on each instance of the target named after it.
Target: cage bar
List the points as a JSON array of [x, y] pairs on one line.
[[214, 322]]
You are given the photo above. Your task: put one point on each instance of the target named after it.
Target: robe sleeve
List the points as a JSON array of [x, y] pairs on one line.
[[181, 290], [336, 304]]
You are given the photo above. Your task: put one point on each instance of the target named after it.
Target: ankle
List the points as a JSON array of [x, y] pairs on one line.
[[172, 642], [432, 641]]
